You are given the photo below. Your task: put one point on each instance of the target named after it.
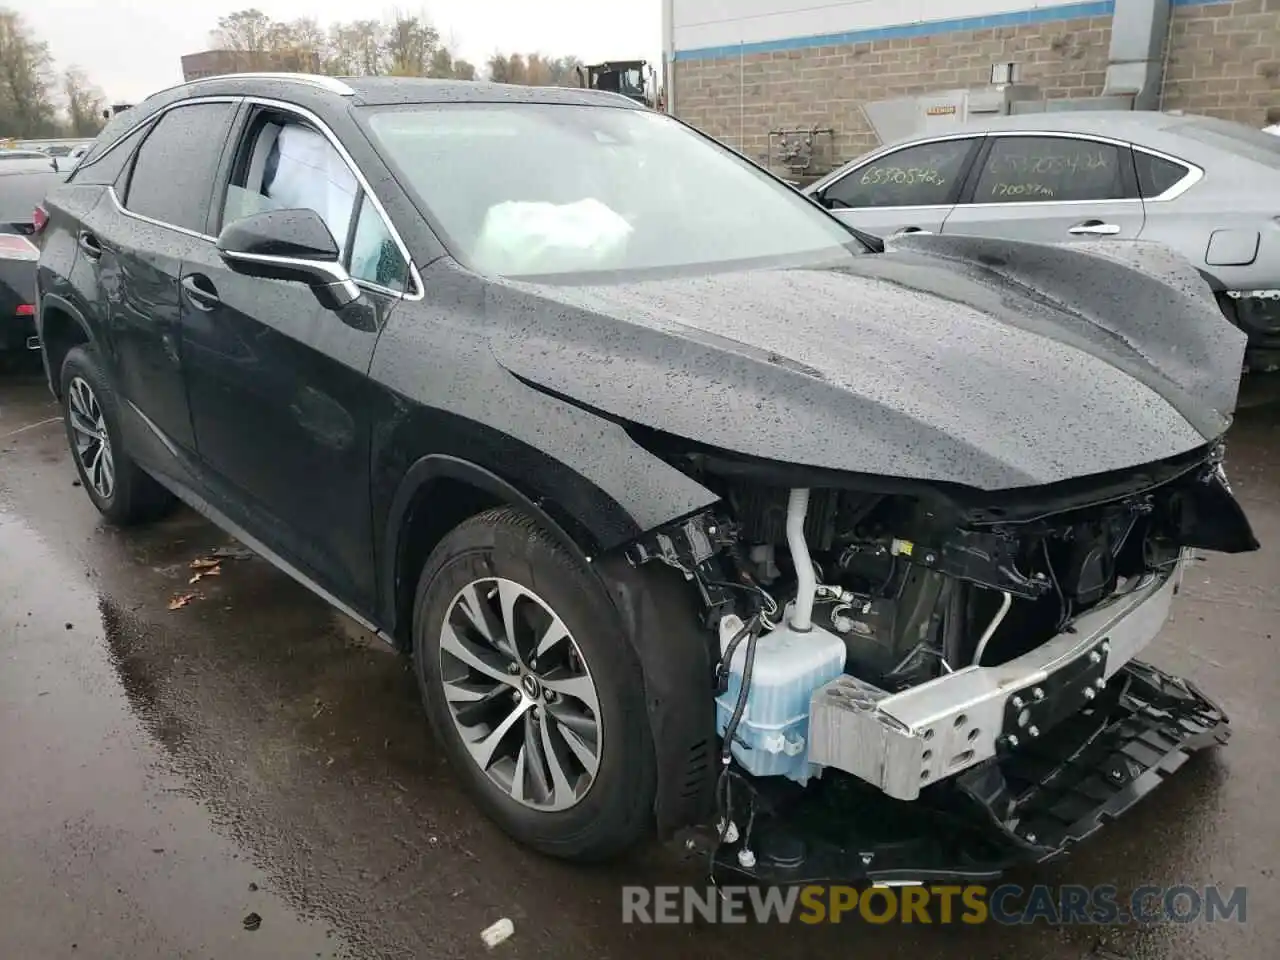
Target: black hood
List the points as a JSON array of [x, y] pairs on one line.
[[988, 363]]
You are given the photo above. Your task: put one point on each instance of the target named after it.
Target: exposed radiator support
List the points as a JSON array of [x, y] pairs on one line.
[[1135, 63]]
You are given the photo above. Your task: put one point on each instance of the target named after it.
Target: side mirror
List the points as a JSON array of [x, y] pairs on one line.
[[289, 245]]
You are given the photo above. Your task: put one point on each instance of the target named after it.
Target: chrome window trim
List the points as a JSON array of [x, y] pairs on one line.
[[417, 292], [1193, 176]]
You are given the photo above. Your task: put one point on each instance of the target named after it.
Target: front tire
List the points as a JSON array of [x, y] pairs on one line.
[[123, 493], [533, 689]]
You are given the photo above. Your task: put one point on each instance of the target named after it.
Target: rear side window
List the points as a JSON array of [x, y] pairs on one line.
[[1156, 174], [1040, 169], [172, 178], [923, 175], [109, 165]]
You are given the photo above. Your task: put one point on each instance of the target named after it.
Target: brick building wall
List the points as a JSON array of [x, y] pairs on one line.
[[1224, 59]]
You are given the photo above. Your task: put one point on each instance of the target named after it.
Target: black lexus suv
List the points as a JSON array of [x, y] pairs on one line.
[[691, 505]]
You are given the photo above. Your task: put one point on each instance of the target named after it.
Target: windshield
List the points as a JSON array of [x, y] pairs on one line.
[[546, 189]]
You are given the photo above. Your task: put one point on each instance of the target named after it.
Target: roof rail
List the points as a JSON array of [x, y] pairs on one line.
[[332, 84]]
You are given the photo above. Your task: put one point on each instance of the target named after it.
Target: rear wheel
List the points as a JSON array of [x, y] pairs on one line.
[[123, 493], [533, 689]]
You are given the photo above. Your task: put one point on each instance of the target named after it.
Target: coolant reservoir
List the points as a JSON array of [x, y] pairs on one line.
[[772, 736]]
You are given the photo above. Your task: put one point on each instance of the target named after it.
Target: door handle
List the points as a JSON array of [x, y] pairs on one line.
[[908, 231], [200, 291], [1095, 228], [90, 245]]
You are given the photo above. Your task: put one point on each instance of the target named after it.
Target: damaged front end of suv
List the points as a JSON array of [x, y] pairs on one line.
[[931, 670], [966, 659]]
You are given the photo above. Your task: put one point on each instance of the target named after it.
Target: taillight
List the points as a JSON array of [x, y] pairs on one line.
[[26, 310], [39, 219]]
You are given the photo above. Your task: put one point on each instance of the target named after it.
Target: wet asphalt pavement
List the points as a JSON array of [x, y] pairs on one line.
[[165, 773]]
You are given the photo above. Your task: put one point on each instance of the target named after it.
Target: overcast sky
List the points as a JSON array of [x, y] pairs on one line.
[[131, 48]]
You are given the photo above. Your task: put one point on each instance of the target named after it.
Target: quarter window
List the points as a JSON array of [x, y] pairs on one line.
[[922, 175], [172, 177], [1031, 169], [374, 255], [108, 168], [1156, 174]]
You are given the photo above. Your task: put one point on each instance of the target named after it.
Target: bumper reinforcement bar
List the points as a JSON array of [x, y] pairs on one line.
[[1028, 804]]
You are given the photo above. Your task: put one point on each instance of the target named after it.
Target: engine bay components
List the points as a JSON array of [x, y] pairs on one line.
[[907, 640]]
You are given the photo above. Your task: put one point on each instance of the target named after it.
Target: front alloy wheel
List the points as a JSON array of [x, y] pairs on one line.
[[533, 687], [91, 440], [520, 695]]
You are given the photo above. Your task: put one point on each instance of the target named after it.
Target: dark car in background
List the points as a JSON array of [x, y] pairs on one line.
[[21, 191], [644, 458]]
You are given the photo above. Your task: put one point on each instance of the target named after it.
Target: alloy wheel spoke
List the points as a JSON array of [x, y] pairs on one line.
[[553, 635], [491, 663], [579, 687], [483, 749], [508, 594], [477, 611], [561, 790], [584, 751], [82, 425]]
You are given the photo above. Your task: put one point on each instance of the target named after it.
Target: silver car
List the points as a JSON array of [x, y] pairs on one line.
[[1208, 188]]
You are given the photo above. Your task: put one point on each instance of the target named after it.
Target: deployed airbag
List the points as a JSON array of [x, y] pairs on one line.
[[524, 238]]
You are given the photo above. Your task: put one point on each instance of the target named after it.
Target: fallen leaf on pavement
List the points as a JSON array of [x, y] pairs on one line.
[[200, 574], [181, 600]]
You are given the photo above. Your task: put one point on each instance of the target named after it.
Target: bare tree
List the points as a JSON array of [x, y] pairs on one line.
[[26, 80], [405, 44], [534, 69], [355, 49], [409, 45], [249, 31], [84, 104]]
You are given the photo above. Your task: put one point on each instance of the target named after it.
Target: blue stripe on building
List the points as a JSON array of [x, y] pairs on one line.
[[1018, 18]]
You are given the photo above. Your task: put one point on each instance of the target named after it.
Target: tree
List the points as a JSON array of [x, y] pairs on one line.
[[249, 31], [410, 45], [534, 69], [84, 104], [26, 81], [356, 48], [402, 44]]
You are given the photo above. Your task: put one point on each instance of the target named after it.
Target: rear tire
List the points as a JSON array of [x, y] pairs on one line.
[[123, 493], [576, 705]]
